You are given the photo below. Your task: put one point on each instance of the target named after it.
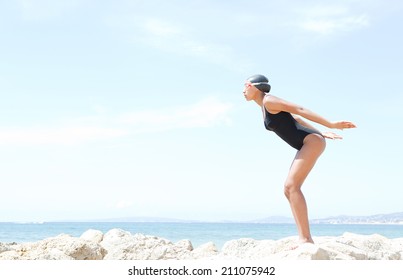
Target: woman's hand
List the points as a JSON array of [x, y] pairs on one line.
[[343, 125], [331, 135], [338, 125]]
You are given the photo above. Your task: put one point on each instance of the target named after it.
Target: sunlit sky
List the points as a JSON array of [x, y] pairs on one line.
[[135, 108]]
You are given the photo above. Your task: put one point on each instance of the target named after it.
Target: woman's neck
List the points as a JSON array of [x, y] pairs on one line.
[[259, 99]]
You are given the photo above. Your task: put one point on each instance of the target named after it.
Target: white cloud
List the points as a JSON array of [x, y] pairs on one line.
[[68, 135], [331, 19], [325, 11], [179, 39], [206, 113], [329, 26]]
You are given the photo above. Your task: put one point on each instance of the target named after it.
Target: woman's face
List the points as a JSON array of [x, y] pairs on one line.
[[249, 91]]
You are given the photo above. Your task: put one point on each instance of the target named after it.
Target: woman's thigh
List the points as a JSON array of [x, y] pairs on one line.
[[305, 160]]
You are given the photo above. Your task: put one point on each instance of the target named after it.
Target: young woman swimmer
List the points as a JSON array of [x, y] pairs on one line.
[[284, 119]]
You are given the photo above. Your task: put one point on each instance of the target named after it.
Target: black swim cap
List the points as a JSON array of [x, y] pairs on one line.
[[260, 82]]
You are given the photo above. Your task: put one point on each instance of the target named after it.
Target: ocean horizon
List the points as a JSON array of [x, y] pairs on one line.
[[197, 232]]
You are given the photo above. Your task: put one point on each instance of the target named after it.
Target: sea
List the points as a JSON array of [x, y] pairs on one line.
[[197, 233]]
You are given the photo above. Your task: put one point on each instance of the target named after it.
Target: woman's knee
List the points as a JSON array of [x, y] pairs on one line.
[[290, 187]]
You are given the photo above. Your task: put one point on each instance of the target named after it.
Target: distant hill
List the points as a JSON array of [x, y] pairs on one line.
[[394, 218], [145, 220], [274, 220]]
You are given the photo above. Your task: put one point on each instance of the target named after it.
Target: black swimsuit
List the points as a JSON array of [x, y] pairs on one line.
[[285, 126]]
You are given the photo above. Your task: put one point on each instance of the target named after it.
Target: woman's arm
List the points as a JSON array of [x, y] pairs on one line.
[[274, 105], [303, 122], [329, 135]]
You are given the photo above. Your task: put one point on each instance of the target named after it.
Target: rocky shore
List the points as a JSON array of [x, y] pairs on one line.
[[118, 244]]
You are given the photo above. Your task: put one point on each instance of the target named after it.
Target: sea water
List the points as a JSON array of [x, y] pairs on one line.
[[197, 233]]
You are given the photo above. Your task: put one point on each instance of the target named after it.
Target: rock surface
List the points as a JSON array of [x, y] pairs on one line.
[[61, 247], [118, 244]]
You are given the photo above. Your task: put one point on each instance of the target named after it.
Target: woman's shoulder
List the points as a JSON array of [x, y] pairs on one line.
[[269, 102]]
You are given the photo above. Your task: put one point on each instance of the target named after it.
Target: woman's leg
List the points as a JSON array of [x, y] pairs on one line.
[[303, 163]]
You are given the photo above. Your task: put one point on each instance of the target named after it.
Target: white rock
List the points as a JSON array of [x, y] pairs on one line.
[[4, 247], [185, 244], [118, 244], [306, 251], [247, 248], [288, 248], [377, 247], [398, 244], [51, 254], [122, 245], [340, 251], [62, 247], [285, 244], [116, 237], [206, 250], [95, 236], [76, 248]]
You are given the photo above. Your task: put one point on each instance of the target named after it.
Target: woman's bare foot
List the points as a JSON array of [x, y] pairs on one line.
[[306, 240], [300, 242]]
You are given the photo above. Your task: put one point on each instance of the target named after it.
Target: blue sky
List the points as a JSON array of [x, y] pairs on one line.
[[135, 108]]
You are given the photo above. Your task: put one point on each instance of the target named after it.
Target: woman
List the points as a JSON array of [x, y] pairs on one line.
[[284, 118]]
